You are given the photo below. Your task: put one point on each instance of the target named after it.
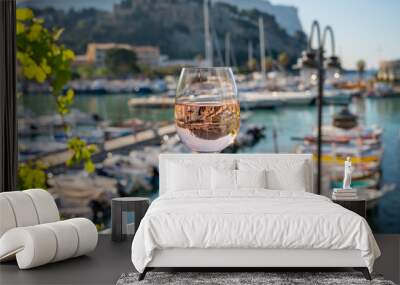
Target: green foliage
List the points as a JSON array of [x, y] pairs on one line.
[[32, 175], [100, 72], [160, 71], [90, 72], [43, 60], [81, 152], [121, 61], [64, 101]]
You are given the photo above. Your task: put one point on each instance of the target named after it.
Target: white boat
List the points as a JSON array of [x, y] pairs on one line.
[[344, 150], [259, 100], [271, 99], [337, 96], [296, 97], [81, 185], [363, 134], [122, 166], [30, 149], [75, 191]]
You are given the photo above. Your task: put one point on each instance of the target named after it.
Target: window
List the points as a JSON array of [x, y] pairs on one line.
[[92, 122]]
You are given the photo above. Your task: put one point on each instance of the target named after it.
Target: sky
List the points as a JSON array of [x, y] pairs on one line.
[[364, 29]]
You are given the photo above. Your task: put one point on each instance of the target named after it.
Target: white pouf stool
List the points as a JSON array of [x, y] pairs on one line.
[[31, 230]]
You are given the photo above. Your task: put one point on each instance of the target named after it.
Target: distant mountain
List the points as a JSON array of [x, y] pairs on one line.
[[176, 26], [105, 5], [286, 16]]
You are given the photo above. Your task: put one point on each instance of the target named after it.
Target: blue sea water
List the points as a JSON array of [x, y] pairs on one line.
[[288, 122]]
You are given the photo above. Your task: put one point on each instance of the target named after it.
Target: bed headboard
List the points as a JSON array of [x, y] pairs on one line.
[[209, 158]]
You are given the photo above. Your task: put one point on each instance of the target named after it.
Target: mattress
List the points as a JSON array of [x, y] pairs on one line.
[[250, 219]]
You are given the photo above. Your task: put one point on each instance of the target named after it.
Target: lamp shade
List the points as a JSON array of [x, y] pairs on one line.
[[308, 66], [333, 69]]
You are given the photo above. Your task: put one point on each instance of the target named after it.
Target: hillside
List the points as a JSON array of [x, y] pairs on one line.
[[286, 16], [176, 26]]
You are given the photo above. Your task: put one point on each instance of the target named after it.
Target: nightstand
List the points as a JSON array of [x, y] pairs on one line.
[[120, 209], [358, 206]]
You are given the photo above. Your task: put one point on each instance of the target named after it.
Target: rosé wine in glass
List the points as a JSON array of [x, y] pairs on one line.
[[207, 111]]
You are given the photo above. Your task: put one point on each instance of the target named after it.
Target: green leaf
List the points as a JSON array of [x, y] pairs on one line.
[[68, 55], [46, 68], [20, 28], [70, 96], [89, 166], [40, 75], [29, 71], [81, 153], [24, 14], [34, 33], [32, 175], [44, 60]]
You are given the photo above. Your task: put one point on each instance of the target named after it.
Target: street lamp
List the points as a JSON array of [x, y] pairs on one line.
[[308, 68], [332, 64], [312, 72], [333, 70]]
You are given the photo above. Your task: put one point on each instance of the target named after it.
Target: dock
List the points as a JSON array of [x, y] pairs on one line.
[[248, 100], [152, 102], [156, 102], [59, 158]]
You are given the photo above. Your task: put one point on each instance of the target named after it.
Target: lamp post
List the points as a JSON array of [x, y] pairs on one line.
[[313, 73], [320, 65]]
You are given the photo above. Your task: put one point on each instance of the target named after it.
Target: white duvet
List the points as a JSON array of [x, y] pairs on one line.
[[250, 219]]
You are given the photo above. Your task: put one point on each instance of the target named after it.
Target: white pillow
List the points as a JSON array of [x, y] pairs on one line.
[[294, 180], [284, 174], [251, 178], [188, 177], [223, 179], [193, 174], [230, 180]]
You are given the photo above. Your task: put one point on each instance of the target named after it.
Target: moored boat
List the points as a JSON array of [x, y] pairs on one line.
[[259, 100], [337, 96], [343, 139]]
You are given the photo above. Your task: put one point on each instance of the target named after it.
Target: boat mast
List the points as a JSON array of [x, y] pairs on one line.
[[262, 45], [207, 35], [233, 57], [227, 48]]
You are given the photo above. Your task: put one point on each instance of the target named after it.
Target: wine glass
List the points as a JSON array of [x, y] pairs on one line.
[[207, 110]]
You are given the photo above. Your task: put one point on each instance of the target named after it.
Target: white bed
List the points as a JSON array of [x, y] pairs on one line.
[[218, 225]]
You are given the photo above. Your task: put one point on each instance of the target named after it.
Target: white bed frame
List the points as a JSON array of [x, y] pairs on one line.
[[250, 258]]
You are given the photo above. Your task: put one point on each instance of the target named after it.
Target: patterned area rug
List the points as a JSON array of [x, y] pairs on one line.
[[242, 278]]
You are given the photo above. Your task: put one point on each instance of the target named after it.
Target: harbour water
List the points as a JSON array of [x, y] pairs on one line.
[[287, 122]]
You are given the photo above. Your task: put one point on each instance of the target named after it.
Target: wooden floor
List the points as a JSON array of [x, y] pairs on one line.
[[110, 260], [102, 266]]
